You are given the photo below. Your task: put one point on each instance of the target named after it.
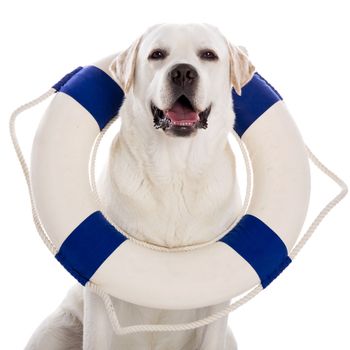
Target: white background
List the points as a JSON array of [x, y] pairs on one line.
[[301, 47]]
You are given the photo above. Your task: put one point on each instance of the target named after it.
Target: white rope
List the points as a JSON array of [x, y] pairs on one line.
[[105, 297], [327, 208], [24, 165], [168, 327]]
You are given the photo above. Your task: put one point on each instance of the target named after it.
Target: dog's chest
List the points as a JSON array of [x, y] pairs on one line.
[[177, 211]]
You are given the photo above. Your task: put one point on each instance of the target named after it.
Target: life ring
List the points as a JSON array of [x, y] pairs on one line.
[[253, 252]]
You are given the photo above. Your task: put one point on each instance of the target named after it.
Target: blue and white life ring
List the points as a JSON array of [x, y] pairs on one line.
[[255, 251]]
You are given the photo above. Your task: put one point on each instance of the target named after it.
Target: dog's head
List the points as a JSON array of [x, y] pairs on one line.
[[182, 75]]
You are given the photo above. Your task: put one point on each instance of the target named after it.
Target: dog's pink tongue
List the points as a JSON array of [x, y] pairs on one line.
[[180, 113]]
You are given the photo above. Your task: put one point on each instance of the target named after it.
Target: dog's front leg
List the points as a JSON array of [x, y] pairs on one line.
[[63, 329], [218, 334]]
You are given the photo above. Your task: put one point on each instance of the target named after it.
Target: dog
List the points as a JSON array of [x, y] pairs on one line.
[[169, 179]]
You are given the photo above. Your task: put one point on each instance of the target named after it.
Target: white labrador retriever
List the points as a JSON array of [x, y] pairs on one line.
[[170, 178]]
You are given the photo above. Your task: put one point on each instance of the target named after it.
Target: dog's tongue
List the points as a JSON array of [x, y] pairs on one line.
[[181, 113]]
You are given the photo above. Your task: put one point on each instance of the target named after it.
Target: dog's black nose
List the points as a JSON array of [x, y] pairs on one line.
[[183, 75]]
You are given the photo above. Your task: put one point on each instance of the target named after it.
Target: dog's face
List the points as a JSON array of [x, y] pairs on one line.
[[181, 74]]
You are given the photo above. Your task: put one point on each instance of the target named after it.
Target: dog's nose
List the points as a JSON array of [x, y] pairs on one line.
[[183, 75]]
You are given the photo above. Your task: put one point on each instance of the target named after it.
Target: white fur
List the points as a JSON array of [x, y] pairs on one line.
[[163, 189]]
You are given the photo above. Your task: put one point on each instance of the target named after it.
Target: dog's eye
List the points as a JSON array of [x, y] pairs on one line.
[[157, 55], [208, 55]]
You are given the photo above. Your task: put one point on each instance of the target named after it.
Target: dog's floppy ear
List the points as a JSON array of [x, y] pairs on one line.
[[241, 69], [123, 66]]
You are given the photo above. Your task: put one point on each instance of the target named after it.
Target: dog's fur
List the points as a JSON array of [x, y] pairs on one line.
[[162, 188]]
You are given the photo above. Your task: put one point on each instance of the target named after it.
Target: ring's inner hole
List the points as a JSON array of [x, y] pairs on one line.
[[104, 149]]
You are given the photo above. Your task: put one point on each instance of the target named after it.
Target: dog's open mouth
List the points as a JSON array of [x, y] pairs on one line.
[[181, 117]]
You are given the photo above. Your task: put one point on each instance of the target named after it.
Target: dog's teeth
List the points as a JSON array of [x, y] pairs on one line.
[[183, 123]]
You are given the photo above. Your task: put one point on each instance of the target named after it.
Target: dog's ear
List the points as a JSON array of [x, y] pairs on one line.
[[123, 66], [241, 69]]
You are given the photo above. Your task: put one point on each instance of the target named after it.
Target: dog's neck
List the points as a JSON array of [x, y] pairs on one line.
[[170, 190]]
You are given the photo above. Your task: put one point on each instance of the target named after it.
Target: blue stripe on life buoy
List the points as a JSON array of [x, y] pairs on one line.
[[95, 90], [88, 246], [260, 246], [67, 77], [256, 98]]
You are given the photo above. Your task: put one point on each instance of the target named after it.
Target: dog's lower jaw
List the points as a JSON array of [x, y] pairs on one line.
[[176, 131]]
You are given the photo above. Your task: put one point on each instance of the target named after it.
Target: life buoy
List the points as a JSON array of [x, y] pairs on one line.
[[253, 252]]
